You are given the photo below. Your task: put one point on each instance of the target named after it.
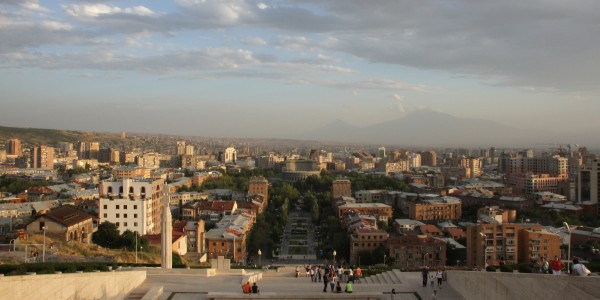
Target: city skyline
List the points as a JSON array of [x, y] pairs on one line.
[[278, 69]]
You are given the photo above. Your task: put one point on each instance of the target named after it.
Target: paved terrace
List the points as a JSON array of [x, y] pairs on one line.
[[183, 284]]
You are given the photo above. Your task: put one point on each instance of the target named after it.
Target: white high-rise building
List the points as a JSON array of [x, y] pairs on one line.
[[230, 155], [189, 150], [132, 204]]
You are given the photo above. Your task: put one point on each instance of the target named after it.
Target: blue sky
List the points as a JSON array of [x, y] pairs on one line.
[[276, 68]]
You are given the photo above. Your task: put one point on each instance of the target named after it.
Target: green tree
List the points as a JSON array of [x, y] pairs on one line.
[[107, 235]]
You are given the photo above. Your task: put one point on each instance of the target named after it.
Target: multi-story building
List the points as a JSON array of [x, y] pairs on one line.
[[132, 204], [215, 210], [341, 187], [415, 251], [556, 166], [228, 238], [530, 183], [382, 212], [259, 186], [180, 147], [131, 172], [42, 157], [588, 183], [148, 160], [300, 169], [229, 155], [491, 244], [429, 158], [88, 150], [14, 147], [189, 150], [440, 209], [496, 215], [396, 166], [366, 240]]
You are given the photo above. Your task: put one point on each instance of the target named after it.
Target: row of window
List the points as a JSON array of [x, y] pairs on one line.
[[135, 224], [119, 206], [124, 216]]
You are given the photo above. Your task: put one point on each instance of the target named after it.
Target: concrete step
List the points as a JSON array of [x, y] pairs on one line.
[[396, 276], [383, 279], [136, 295], [388, 277]]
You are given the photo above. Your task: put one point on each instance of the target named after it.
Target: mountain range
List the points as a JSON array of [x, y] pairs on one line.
[[429, 128]]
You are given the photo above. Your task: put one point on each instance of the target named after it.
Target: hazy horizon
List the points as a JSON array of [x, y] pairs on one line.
[[277, 69]]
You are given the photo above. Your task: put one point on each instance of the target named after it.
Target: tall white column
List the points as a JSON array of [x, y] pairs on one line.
[[166, 232]]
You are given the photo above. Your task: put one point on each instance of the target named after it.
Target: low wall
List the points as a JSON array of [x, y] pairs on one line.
[[514, 286], [97, 285]]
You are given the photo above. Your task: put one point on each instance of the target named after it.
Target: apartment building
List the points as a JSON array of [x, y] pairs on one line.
[[588, 182], [13, 147], [134, 204], [341, 187], [511, 243], [123, 172], [444, 208], [259, 185], [366, 240], [415, 251], [42, 157], [382, 212]]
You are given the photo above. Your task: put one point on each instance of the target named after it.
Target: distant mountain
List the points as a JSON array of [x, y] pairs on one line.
[[427, 127], [38, 136]]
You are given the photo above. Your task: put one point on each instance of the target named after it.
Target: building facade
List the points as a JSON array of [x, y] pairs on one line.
[[442, 209], [341, 187], [132, 204], [42, 157]]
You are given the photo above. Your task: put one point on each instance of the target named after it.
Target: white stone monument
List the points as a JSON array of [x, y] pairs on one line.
[[166, 232]]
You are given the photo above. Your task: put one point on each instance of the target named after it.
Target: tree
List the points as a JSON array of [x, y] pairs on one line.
[[107, 235], [128, 239]]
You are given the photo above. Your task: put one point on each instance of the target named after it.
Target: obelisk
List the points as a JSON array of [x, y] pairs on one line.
[[166, 232]]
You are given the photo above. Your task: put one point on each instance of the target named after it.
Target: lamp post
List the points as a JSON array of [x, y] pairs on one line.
[[259, 257], [384, 255], [44, 248], [136, 248], [334, 253], [568, 249]]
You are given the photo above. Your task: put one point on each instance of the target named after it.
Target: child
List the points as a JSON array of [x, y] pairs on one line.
[[432, 278]]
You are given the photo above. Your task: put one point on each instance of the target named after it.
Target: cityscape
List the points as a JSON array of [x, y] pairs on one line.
[[188, 149]]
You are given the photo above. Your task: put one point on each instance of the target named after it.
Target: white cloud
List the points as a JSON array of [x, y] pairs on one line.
[[97, 10], [255, 41]]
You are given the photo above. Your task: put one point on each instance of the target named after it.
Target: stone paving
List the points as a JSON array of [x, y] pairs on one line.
[[190, 284]]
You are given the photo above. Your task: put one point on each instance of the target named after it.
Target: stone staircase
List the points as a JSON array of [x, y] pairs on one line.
[[389, 277]]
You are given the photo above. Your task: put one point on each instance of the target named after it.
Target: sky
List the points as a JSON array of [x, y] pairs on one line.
[[237, 68]]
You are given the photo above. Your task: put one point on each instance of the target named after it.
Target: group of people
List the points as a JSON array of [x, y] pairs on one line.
[[332, 277], [556, 266], [438, 276], [250, 289]]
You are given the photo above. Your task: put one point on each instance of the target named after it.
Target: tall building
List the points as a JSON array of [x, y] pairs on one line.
[[42, 157], [414, 251], [588, 184], [429, 158], [381, 152], [14, 147], [490, 244], [259, 186], [189, 150], [229, 156], [180, 147], [341, 187], [134, 205], [65, 147], [89, 150]]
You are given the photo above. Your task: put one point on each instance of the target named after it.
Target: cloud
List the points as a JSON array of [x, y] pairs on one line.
[[254, 41], [98, 10], [399, 103]]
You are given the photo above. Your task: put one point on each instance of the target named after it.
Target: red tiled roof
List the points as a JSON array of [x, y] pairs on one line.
[[68, 216], [155, 239]]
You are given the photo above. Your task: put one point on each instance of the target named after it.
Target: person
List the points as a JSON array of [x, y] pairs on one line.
[[557, 265], [439, 275], [425, 274], [332, 280], [543, 265], [351, 275], [254, 288], [432, 279], [579, 269], [348, 287], [434, 295], [338, 287], [393, 295], [297, 271], [358, 273], [325, 283], [246, 288]]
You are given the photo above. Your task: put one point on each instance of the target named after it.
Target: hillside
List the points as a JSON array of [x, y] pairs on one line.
[[38, 136]]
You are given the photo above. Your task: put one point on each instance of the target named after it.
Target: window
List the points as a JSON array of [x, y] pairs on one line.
[[117, 224], [131, 190], [125, 224], [222, 244], [105, 206], [117, 207], [214, 243], [118, 215], [124, 206], [135, 224], [124, 215], [135, 207], [135, 215], [105, 215], [110, 189]]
